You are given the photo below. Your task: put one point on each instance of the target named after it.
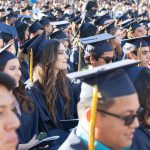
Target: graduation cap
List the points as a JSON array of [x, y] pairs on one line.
[[133, 72], [11, 15], [105, 83], [144, 23], [35, 26], [138, 41], [108, 28], [25, 45], [6, 55], [125, 23], [123, 17], [45, 21], [8, 29], [91, 28], [59, 34], [133, 25], [60, 24], [101, 21], [97, 47], [113, 87]]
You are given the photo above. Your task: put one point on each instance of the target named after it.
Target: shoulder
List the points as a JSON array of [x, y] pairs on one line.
[[141, 139], [73, 142]]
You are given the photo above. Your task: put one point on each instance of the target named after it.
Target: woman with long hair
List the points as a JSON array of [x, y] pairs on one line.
[[25, 108], [53, 91], [141, 79]]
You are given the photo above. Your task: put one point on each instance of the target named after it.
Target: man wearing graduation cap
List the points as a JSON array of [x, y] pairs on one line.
[[117, 110], [98, 50], [137, 48]]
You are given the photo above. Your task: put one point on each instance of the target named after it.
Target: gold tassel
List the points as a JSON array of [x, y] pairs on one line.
[[93, 117], [80, 53], [130, 32], [31, 66], [139, 53], [6, 21]]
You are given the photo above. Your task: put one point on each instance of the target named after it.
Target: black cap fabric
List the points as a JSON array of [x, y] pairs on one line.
[[87, 29], [45, 21], [5, 55], [134, 25], [8, 29], [59, 34], [35, 27], [111, 81]]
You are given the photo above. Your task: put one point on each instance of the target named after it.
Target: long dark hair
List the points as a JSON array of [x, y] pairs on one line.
[[44, 73], [142, 85], [20, 94]]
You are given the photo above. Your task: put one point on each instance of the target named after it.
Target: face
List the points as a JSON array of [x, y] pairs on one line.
[[12, 68], [101, 60], [49, 28], [139, 32], [27, 34], [8, 121], [61, 62], [107, 125]]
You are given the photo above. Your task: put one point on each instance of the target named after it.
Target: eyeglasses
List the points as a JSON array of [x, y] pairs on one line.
[[127, 119], [107, 59]]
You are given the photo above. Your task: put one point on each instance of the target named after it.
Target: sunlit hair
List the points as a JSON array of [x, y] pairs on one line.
[[20, 94], [44, 73]]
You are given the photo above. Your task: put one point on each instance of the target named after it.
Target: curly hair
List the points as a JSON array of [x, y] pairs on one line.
[[44, 73]]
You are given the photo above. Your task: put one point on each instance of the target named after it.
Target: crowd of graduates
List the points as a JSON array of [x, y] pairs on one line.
[[74, 75]]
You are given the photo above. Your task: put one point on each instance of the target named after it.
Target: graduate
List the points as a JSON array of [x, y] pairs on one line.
[[116, 109], [52, 90], [26, 109], [8, 121], [140, 76]]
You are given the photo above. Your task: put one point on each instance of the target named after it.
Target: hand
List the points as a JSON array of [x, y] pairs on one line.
[[32, 141]]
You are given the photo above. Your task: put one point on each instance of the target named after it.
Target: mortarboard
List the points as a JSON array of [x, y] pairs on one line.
[[101, 21], [138, 41], [133, 72], [11, 15], [6, 55], [37, 46], [59, 34], [25, 45], [108, 28], [123, 17], [60, 24], [92, 29], [45, 21], [110, 83], [125, 23], [134, 25], [35, 26], [144, 23], [97, 44], [8, 29]]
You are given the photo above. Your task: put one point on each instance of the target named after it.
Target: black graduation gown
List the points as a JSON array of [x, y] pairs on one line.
[[29, 125], [25, 71], [73, 142], [74, 58], [45, 118], [141, 140]]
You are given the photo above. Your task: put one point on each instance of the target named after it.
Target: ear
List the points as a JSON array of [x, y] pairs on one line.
[[88, 114], [92, 60]]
